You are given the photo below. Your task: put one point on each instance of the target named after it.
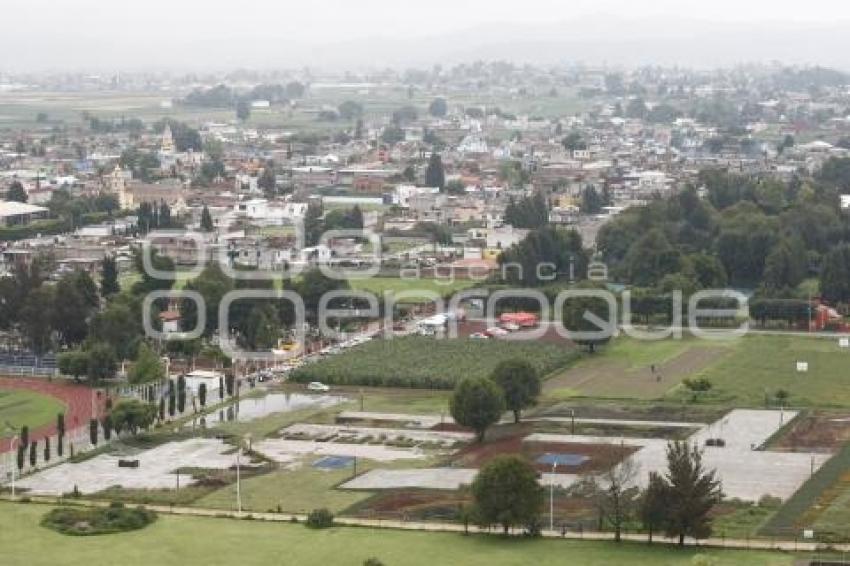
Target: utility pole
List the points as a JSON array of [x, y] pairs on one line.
[[238, 492], [552, 497]]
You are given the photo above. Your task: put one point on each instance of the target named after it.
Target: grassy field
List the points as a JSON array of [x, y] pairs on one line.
[[743, 372], [178, 541], [297, 491], [380, 285], [758, 366], [428, 363], [27, 408], [623, 369]]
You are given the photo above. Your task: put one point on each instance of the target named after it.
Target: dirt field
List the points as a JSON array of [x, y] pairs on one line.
[[600, 457], [606, 377], [818, 432]]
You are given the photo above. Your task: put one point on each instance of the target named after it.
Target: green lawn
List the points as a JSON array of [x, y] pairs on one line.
[[295, 491], [635, 354], [184, 541], [27, 408], [379, 285], [760, 365]]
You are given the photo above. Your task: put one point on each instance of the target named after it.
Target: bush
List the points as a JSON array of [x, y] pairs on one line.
[[99, 521], [373, 562], [320, 519]]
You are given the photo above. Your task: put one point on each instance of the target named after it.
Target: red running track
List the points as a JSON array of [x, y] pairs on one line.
[[76, 397]]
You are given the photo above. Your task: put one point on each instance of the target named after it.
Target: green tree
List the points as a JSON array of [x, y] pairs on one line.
[[591, 200], [206, 220], [132, 416], [435, 175], [118, 326], [102, 362], [652, 508], [520, 383], [267, 182], [37, 319], [574, 141], [506, 493], [350, 110], [74, 363], [243, 110], [16, 192], [109, 284], [438, 107], [835, 275], [591, 316], [530, 212], [477, 404], [690, 492], [148, 366], [71, 309]]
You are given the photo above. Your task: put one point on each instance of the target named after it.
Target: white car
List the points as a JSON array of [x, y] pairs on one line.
[[317, 386]]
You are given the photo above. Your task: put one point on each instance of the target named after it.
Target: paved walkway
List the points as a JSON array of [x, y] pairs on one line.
[[741, 544]]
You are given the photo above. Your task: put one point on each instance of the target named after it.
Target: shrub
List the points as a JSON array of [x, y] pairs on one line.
[[320, 519], [98, 521], [373, 562]]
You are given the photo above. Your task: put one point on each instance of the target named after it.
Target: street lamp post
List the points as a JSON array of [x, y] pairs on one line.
[[238, 491], [12, 454], [552, 497], [246, 438]]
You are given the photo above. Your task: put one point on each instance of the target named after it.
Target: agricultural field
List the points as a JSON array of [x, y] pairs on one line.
[[27, 408], [174, 541], [428, 363], [623, 369]]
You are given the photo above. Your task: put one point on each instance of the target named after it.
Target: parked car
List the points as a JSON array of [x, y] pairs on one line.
[[479, 336], [317, 386]]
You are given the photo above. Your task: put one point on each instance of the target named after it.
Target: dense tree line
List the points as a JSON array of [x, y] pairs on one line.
[[748, 232], [529, 212]]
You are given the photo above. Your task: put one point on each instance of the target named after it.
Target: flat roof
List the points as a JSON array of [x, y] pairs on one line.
[[12, 208]]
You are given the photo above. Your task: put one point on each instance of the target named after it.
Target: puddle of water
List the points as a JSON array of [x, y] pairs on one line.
[[254, 408]]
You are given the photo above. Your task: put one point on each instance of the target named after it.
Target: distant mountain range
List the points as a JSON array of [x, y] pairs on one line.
[[593, 40]]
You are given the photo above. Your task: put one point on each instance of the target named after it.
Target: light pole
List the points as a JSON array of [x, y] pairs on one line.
[[14, 465], [552, 497], [247, 438], [238, 492]]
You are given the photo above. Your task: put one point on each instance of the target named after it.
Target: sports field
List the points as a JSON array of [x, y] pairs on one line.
[[176, 541], [19, 408]]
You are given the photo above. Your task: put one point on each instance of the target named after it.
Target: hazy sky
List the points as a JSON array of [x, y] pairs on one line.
[[49, 33], [324, 19]]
